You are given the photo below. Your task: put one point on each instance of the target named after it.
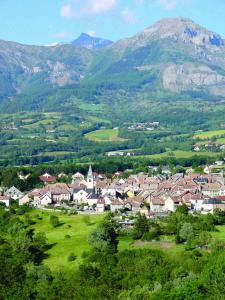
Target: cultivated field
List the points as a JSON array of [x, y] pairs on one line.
[[104, 135]]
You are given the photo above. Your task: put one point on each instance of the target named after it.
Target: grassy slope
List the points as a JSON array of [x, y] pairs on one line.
[[104, 135], [62, 247], [220, 235], [209, 134], [79, 231]]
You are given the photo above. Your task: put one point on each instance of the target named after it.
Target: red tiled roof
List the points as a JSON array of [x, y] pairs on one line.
[[47, 178]]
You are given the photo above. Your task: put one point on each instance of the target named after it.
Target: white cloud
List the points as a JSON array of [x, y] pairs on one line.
[[78, 8], [101, 6], [128, 17]]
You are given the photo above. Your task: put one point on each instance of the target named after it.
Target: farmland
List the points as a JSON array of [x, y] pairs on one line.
[[209, 134], [104, 135]]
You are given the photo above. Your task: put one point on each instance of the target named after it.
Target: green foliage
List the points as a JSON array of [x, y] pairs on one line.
[[141, 227], [104, 238], [54, 221], [72, 257], [182, 209]]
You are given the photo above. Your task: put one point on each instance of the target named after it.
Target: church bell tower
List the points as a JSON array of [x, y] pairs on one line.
[[90, 179]]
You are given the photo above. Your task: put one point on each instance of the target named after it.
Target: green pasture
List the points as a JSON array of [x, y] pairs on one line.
[[104, 135]]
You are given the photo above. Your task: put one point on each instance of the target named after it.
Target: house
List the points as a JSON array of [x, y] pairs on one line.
[[44, 200], [209, 205], [23, 177], [153, 168], [197, 149], [157, 205], [116, 204], [212, 189], [80, 196], [92, 199], [166, 170], [6, 200], [78, 177], [171, 203], [201, 180], [62, 175], [13, 193], [24, 200], [207, 170], [47, 178], [100, 207], [59, 192]]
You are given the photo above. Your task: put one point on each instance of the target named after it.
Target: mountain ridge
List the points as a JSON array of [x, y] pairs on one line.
[[173, 56]]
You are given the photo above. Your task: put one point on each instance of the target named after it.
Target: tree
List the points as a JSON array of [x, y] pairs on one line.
[[187, 234], [186, 231], [54, 221], [141, 226], [204, 239], [182, 209], [104, 238]]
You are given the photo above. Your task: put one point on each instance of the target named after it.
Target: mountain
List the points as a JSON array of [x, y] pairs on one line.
[[173, 59], [174, 55], [90, 42], [25, 69]]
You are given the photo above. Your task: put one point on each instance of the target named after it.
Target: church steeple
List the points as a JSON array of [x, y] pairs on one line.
[[90, 173], [90, 179]]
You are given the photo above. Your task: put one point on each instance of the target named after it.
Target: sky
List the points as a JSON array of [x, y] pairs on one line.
[[43, 22]]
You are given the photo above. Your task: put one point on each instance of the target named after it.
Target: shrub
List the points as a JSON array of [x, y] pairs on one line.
[[54, 221], [72, 257]]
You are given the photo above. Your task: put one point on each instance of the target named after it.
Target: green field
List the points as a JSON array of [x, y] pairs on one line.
[[62, 246], [220, 235], [166, 244], [179, 154], [77, 227], [104, 135], [209, 134]]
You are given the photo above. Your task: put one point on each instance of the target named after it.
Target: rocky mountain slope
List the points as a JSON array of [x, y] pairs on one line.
[[172, 57], [90, 42]]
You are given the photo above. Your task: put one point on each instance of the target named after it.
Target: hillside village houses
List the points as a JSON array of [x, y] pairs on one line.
[[151, 195]]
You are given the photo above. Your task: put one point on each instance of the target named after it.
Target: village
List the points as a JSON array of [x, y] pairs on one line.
[[148, 194]]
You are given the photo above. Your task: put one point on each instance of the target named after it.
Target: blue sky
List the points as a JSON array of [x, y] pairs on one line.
[[43, 22]]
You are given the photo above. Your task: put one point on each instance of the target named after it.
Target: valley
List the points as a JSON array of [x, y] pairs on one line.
[[64, 102]]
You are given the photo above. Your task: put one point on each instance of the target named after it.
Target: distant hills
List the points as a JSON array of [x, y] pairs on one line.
[[173, 59], [90, 42]]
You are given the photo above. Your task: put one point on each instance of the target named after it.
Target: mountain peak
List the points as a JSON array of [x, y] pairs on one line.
[[186, 30], [178, 29], [85, 40]]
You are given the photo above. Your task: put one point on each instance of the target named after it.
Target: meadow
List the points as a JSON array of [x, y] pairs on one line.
[[70, 237], [104, 135], [209, 134]]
